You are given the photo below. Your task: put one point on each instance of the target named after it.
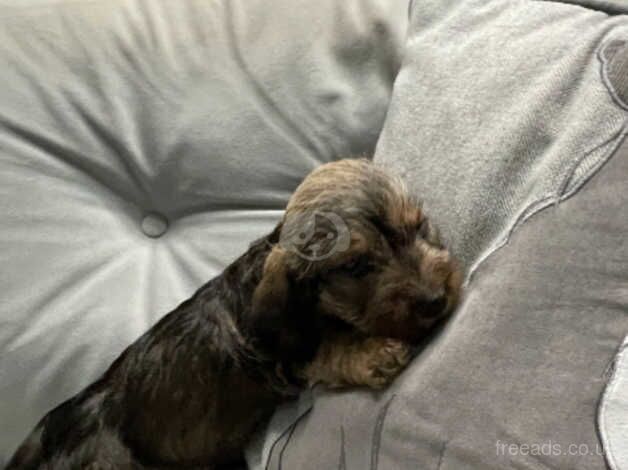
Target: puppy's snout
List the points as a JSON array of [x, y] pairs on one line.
[[431, 308]]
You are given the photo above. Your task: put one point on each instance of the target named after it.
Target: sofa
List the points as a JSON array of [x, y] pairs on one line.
[[145, 143]]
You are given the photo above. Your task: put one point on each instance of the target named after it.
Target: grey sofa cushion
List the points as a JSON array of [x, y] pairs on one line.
[[501, 109], [501, 116], [143, 145]]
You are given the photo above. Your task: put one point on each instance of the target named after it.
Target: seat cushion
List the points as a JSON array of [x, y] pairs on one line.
[[143, 145]]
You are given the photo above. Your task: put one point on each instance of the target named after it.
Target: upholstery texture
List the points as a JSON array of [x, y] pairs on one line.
[[506, 119], [516, 112], [143, 145]]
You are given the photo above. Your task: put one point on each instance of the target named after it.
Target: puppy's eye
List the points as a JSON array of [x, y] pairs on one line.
[[358, 267]]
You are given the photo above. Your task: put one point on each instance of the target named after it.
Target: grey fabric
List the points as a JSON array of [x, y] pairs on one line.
[[501, 116], [143, 145], [505, 102], [613, 412]]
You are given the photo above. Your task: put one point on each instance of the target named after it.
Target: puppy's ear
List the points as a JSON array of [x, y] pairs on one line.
[[270, 303], [283, 311], [271, 294]]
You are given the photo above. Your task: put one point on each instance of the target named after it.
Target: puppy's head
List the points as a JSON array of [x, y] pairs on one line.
[[367, 253]]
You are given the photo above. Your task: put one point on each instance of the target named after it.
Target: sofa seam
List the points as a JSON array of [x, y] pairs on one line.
[[286, 433], [604, 75], [552, 199], [563, 189], [376, 439]]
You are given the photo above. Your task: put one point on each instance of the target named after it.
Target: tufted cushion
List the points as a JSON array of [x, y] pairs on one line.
[[143, 145]]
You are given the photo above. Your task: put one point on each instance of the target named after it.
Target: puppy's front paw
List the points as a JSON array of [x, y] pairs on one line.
[[385, 359]]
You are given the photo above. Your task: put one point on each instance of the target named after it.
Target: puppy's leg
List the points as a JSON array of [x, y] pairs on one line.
[[347, 359]]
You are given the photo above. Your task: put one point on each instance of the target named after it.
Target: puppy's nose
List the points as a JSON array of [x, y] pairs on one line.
[[430, 308]]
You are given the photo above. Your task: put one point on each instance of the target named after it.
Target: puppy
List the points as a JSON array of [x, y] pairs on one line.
[[350, 279]]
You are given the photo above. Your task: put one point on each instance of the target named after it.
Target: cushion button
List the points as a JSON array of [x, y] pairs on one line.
[[154, 225]]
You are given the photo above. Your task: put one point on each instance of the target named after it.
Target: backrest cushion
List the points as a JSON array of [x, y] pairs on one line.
[[143, 145]]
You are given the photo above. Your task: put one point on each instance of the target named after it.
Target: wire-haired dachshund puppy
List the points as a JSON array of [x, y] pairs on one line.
[[350, 279]]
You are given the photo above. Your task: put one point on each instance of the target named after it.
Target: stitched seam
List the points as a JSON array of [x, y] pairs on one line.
[[604, 73], [610, 11], [441, 455], [410, 8], [619, 136], [289, 429], [342, 463], [283, 449], [523, 215], [563, 187], [377, 433], [549, 200], [603, 160]]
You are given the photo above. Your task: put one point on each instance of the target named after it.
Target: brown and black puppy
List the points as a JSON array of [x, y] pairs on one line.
[[350, 279]]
